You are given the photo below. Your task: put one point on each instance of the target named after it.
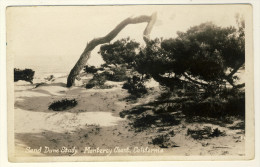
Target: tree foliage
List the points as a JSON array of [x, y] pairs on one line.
[[121, 52], [206, 55], [121, 57], [196, 69], [90, 69]]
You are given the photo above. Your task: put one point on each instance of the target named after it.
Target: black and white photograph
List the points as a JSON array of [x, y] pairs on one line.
[[130, 82]]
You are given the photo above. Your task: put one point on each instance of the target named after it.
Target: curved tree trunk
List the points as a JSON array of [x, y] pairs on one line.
[[110, 36]]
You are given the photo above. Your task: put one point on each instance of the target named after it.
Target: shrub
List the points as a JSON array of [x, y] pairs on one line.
[[90, 69], [90, 85], [26, 75], [160, 139], [215, 107], [216, 133], [63, 104], [163, 141], [135, 86], [205, 133], [144, 122], [98, 81], [116, 74]]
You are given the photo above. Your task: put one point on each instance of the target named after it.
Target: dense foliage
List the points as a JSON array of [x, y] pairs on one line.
[[121, 52], [90, 69], [206, 55], [199, 66], [135, 86], [63, 104], [26, 75]]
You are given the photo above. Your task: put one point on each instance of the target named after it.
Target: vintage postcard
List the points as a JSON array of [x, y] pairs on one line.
[[130, 83]]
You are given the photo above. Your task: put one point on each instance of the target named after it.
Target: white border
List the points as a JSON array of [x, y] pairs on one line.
[[3, 102]]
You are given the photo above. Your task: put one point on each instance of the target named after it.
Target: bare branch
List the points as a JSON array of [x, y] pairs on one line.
[[239, 86], [110, 36], [194, 81], [235, 69], [229, 79]]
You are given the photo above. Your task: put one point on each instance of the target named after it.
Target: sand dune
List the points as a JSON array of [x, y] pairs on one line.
[[95, 122]]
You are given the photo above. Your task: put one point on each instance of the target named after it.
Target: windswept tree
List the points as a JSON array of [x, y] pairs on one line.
[[206, 55], [106, 39], [203, 60]]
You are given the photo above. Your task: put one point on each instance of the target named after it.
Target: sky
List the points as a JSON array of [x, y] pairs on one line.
[[52, 38]]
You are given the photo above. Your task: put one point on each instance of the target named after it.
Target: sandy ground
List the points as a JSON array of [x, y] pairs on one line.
[[94, 127]]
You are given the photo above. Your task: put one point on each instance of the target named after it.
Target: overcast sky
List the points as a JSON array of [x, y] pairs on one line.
[[51, 39]]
